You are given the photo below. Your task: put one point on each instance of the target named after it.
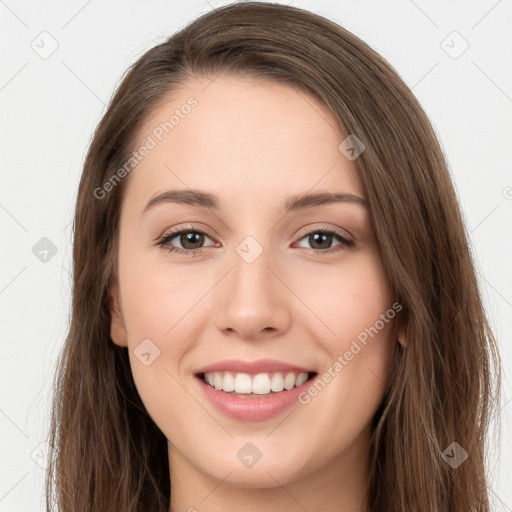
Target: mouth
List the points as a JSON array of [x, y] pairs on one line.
[[258, 385]]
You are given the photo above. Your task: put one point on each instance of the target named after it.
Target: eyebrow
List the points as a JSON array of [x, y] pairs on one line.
[[202, 199]]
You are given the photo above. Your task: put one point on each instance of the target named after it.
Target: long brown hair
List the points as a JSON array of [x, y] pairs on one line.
[[106, 453]]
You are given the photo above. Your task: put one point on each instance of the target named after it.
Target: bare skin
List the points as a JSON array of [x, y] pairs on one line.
[[254, 144]]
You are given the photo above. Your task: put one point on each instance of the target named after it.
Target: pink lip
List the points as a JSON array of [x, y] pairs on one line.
[[251, 367], [251, 409]]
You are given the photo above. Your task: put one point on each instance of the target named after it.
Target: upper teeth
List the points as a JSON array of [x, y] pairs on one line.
[[261, 384]]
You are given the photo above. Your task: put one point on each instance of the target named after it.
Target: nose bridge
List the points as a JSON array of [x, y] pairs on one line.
[[251, 280], [250, 301]]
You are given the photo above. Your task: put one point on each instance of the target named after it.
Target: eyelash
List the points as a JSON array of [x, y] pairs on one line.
[[164, 241]]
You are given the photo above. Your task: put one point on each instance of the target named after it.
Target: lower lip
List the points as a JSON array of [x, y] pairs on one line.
[[252, 409]]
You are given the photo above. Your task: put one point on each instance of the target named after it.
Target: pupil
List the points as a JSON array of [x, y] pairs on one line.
[[191, 238], [327, 237]]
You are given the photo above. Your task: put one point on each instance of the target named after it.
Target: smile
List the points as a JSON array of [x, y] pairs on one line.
[[249, 386], [253, 391]]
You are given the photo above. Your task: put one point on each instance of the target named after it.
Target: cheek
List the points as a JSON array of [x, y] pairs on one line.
[[160, 308], [357, 320], [346, 299], [164, 314], [160, 301]]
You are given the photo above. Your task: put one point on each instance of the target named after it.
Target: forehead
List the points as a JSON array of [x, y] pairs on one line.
[[245, 140]]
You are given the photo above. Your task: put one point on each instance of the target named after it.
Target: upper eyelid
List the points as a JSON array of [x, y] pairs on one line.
[[340, 232], [312, 229], [173, 232]]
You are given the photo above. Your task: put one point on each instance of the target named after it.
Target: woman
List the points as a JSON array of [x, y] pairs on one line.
[[274, 305]]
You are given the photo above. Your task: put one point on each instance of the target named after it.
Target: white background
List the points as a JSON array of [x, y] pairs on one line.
[[49, 108]]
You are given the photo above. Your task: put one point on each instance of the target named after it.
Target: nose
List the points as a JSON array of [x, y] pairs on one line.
[[252, 302]]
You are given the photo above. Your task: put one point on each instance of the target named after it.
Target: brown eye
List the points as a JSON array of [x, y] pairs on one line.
[[185, 241], [191, 239], [321, 241]]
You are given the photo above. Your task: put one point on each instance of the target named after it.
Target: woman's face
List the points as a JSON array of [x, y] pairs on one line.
[[257, 278]]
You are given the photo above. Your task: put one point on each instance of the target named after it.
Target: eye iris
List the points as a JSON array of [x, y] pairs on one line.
[[313, 239], [191, 237]]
